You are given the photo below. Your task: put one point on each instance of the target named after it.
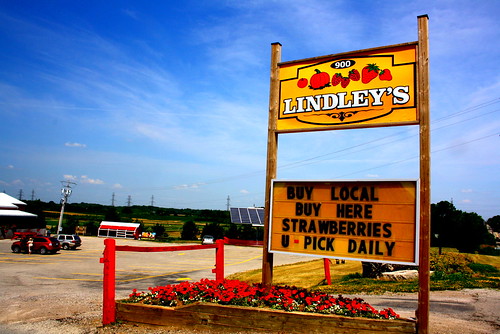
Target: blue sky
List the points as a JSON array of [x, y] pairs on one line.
[[167, 101]]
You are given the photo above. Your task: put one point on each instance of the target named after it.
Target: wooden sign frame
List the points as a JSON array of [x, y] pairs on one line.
[[423, 107]]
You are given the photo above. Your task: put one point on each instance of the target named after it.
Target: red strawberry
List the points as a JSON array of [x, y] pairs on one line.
[[354, 75], [385, 75], [345, 81], [369, 73], [336, 79], [302, 83]]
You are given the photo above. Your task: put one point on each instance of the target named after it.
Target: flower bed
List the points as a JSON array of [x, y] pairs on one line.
[[229, 303]]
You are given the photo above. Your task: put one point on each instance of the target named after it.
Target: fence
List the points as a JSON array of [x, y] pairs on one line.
[[109, 261]]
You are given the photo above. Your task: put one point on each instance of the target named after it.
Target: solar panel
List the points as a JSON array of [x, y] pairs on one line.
[[254, 216]]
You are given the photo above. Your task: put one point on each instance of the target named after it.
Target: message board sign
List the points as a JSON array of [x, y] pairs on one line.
[[375, 87], [359, 220]]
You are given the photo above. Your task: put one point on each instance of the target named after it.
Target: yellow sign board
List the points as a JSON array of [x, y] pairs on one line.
[[368, 88], [372, 221]]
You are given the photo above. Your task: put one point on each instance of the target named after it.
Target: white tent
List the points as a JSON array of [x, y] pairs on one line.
[[11, 218]]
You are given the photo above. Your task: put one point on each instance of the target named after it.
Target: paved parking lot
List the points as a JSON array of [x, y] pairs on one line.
[[62, 293], [81, 269]]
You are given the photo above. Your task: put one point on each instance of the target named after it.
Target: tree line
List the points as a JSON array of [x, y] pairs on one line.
[[450, 227]]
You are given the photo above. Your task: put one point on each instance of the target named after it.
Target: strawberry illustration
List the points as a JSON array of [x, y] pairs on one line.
[[369, 72], [345, 82], [336, 79], [354, 75], [302, 83], [385, 75]]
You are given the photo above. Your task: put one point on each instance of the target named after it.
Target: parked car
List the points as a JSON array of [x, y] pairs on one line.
[[69, 241], [207, 240], [22, 235], [41, 244]]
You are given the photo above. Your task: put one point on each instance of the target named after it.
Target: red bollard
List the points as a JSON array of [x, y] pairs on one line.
[[328, 276], [219, 260], [109, 260]]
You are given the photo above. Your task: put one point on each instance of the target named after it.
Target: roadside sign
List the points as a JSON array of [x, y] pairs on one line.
[[372, 221], [367, 88]]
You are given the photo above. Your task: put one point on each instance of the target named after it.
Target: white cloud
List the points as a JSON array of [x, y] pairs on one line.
[[86, 179], [68, 144]]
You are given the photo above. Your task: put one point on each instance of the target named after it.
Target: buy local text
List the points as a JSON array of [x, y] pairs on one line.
[[320, 233]]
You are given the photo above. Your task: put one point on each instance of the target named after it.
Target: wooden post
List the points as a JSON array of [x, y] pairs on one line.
[[425, 191], [108, 302], [272, 157]]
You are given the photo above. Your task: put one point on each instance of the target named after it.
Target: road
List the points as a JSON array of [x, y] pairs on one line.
[[63, 291]]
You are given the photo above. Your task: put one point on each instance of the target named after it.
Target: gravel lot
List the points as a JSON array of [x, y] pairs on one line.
[[62, 293]]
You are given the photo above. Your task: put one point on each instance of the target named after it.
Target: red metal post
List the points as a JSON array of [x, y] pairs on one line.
[[219, 260], [328, 276], [109, 261]]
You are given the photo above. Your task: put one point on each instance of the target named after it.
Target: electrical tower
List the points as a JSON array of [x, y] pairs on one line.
[[20, 194], [228, 204], [113, 200], [129, 200], [152, 200], [66, 192]]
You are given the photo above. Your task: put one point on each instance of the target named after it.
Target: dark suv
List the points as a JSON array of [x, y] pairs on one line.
[[69, 241], [41, 244]]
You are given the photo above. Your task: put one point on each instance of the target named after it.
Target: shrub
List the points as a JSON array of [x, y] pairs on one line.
[[450, 263]]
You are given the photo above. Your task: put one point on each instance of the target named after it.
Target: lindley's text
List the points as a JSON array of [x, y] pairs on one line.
[[357, 99]]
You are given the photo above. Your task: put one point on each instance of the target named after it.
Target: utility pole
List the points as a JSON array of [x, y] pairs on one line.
[[66, 192]]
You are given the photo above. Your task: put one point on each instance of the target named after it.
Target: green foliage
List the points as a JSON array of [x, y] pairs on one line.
[[351, 276], [112, 215], [189, 231], [450, 263], [494, 223], [482, 268], [465, 231], [213, 229], [489, 251], [69, 225], [159, 230]]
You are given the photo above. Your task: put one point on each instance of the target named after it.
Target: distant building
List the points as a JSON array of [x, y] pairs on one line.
[[12, 219], [119, 230]]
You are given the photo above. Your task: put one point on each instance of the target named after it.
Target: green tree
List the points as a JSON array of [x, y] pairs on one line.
[[494, 223], [465, 231], [69, 226], [213, 229], [472, 232], [159, 230], [112, 215], [189, 231], [444, 218], [232, 231]]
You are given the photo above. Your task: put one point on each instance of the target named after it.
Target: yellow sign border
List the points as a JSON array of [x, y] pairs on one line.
[[325, 104]]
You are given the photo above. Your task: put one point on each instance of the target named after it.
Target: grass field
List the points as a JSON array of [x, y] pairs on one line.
[[346, 278]]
